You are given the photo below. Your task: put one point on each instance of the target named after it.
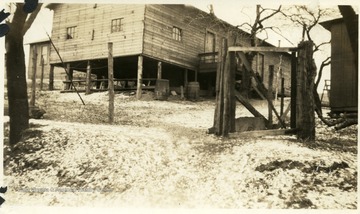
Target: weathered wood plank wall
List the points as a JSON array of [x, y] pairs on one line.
[[93, 30], [147, 30], [344, 84]]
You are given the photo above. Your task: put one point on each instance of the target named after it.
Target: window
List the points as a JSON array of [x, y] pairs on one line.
[[176, 33], [116, 25], [70, 32], [44, 54]]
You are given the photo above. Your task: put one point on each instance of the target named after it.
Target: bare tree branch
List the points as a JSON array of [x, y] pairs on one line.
[[31, 18], [324, 63], [271, 15], [317, 47]]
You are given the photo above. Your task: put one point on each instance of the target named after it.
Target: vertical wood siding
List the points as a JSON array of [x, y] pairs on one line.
[[344, 84], [273, 58]]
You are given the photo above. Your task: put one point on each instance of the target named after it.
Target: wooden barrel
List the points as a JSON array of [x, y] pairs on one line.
[[193, 90], [162, 89]]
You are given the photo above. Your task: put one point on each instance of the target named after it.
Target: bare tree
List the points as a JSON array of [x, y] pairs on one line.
[[16, 71], [306, 17], [257, 27]]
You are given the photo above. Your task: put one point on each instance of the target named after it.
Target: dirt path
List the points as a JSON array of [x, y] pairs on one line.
[[158, 155]]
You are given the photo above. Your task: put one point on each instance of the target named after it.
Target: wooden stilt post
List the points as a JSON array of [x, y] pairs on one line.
[[196, 76], [69, 76], [282, 96], [305, 106], [51, 78], [88, 78], [111, 82], [159, 70], [185, 83], [270, 94], [42, 73], [139, 77], [293, 91], [33, 78], [185, 77]]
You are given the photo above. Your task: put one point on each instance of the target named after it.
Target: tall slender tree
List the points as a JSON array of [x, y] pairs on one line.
[[21, 21]]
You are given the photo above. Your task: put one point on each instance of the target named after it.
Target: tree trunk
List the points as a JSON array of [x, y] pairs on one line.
[[16, 72], [16, 84]]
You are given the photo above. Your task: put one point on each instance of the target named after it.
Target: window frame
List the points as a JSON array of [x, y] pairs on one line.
[[116, 25], [71, 32], [177, 34]]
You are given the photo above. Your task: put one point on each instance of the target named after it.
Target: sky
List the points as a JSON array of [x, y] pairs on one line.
[[233, 12]]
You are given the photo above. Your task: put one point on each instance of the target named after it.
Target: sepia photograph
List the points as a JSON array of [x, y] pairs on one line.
[[188, 106]]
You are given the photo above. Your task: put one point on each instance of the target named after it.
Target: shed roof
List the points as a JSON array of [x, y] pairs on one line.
[[41, 40], [327, 24]]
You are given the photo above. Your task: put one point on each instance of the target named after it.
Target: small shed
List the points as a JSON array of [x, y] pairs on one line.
[[344, 68], [43, 67]]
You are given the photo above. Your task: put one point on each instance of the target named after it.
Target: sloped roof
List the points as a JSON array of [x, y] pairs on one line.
[[327, 24], [41, 40]]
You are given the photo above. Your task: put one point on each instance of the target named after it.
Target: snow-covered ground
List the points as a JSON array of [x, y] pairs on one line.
[[157, 155]]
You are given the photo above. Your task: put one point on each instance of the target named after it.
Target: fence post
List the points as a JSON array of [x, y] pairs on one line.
[[111, 82], [270, 94], [42, 73], [305, 107], [33, 78]]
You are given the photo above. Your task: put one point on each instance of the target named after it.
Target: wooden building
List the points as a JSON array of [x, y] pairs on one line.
[[42, 68], [344, 71], [176, 42]]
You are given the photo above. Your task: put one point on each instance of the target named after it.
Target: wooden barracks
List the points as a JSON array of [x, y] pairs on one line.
[[176, 42]]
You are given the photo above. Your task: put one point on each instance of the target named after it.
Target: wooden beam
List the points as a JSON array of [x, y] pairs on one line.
[[185, 78], [283, 116], [42, 73], [33, 77], [227, 98], [51, 78], [248, 106], [69, 76], [88, 78], [245, 61], [258, 84], [282, 96], [139, 77], [219, 90], [270, 94], [111, 82], [262, 49], [232, 70], [159, 70], [293, 90], [255, 134]]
